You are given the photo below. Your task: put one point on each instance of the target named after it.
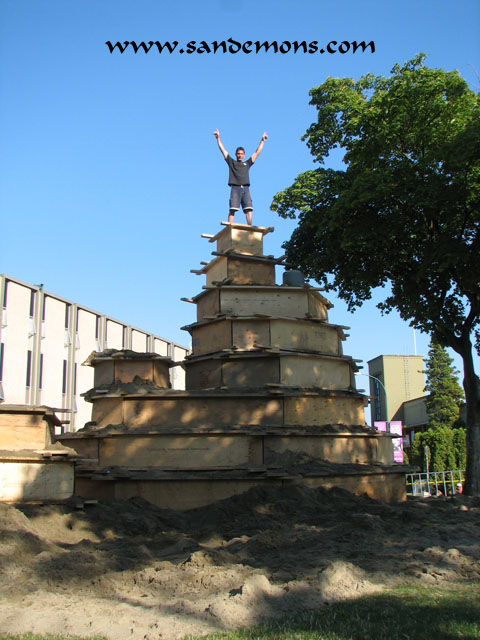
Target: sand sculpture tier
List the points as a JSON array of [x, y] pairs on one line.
[[266, 383]]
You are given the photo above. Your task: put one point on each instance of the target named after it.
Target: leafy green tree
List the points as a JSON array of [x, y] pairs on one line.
[[445, 395], [459, 443], [405, 212], [445, 449]]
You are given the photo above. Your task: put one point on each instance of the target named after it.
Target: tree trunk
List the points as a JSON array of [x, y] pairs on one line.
[[471, 385]]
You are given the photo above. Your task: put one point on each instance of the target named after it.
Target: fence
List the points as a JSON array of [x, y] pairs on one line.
[[435, 483]]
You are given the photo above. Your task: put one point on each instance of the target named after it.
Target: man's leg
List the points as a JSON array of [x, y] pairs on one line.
[[234, 204], [247, 204]]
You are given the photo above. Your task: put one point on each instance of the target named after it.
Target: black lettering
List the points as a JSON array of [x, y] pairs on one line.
[[218, 45], [167, 45], [244, 47], [284, 49], [191, 48], [329, 49], [142, 45], [300, 45], [234, 46], [344, 47], [362, 44], [204, 48], [312, 46], [266, 45], [117, 45]]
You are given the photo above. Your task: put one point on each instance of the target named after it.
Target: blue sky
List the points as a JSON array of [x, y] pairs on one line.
[[109, 172]]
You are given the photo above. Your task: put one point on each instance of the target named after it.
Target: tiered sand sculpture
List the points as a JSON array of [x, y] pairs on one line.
[[270, 398]]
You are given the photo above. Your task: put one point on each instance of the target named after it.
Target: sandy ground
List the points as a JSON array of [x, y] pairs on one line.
[[131, 570]]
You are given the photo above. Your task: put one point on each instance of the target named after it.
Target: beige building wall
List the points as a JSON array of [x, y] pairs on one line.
[[17, 330], [403, 380], [44, 339]]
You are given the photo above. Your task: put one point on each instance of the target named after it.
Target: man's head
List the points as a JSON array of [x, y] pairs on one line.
[[240, 153]]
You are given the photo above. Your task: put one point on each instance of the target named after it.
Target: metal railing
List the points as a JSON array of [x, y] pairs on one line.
[[435, 483]]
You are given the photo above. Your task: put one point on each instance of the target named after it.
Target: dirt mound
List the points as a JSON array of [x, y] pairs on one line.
[[132, 570]]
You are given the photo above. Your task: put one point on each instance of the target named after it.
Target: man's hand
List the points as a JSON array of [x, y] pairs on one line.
[[223, 151], [260, 147]]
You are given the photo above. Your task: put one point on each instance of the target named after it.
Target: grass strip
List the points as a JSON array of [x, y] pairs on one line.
[[406, 613], [403, 613]]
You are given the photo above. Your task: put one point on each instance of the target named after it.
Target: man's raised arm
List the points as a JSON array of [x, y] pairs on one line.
[[223, 151], [259, 148]]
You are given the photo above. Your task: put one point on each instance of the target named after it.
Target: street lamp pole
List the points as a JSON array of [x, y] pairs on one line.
[[357, 373]]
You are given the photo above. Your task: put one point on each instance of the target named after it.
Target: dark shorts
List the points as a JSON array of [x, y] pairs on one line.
[[240, 196]]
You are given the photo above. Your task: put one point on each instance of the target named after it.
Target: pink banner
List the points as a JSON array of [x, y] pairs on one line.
[[380, 426], [397, 428]]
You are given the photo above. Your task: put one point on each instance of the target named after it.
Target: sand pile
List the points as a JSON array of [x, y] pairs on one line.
[[131, 570]]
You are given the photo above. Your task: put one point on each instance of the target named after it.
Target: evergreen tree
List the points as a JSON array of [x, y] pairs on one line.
[[445, 395]]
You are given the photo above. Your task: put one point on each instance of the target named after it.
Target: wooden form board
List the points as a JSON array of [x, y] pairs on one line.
[[203, 411], [276, 301], [208, 338], [308, 336], [84, 447], [110, 371], [182, 452], [208, 304], [248, 333], [189, 494], [315, 371], [24, 431], [389, 488], [240, 271], [280, 333], [182, 495], [228, 451], [325, 410], [234, 374], [24, 481], [306, 371], [340, 449], [241, 240], [107, 411]]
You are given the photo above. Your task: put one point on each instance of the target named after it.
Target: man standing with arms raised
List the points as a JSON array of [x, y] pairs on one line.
[[238, 178]]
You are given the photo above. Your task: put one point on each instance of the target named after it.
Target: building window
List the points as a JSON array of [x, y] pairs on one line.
[[29, 370], [40, 377], [32, 303], [64, 378], [67, 316], [75, 379], [2, 352], [5, 291]]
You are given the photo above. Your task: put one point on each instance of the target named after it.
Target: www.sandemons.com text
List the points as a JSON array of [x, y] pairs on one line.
[[232, 46]]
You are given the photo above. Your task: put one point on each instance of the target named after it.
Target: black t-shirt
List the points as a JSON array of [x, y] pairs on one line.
[[238, 172]]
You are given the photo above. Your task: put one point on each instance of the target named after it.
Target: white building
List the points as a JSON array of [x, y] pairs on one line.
[[45, 338]]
